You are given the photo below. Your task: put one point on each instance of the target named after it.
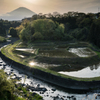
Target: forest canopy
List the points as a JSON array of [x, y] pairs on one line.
[[42, 29], [64, 27]]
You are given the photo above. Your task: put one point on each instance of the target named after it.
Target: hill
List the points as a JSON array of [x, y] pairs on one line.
[[18, 14]]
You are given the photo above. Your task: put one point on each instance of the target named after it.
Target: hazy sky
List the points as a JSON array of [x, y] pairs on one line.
[[49, 6]]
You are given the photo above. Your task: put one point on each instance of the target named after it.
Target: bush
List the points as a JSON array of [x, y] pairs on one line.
[[2, 39], [13, 32], [6, 87]]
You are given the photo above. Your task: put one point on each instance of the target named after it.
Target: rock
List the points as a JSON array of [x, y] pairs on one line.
[[23, 84], [56, 98], [6, 73], [62, 98], [32, 88], [25, 95], [12, 70], [4, 65], [18, 78], [33, 94], [31, 83], [74, 98], [38, 85], [41, 92], [68, 97], [51, 96], [10, 73], [28, 77], [98, 96], [14, 74], [44, 89], [53, 89]]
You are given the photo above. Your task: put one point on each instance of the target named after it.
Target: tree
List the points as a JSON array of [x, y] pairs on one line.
[[94, 35], [45, 27], [19, 28], [85, 22], [6, 87], [25, 34], [13, 32], [37, 36]]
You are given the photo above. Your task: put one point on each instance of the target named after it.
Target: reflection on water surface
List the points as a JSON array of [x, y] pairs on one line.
[[88, 72], [82, 52]]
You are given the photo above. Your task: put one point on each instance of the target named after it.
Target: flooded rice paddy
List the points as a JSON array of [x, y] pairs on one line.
[[88, 72], [54, 92], [56, 53], [26, 50], [61, 53], [82, 52]]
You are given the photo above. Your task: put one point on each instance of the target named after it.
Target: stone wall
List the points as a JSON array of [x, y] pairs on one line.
[[57, 80]]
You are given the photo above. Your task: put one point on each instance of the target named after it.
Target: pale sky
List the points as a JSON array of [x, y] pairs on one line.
[[50, 6]]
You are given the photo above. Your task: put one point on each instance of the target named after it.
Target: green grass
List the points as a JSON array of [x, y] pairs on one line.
[[8, 90], [2, 39], [29, 94], [9, 52]]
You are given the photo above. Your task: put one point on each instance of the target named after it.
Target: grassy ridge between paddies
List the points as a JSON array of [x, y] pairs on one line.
[[8, 51]]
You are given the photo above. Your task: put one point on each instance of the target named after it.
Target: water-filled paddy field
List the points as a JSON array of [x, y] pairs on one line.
[[51, 55], [70, 60]]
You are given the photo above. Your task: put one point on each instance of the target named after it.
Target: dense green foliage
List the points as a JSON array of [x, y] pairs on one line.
[[8, 90], [13, 32], [42, 29], [6, 87], [94, 35], [2, 39], [67, 26], [64, 27], [5, 25]]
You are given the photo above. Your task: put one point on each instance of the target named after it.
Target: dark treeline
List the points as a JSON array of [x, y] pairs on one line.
[[5, 25], [64, 27], [79, 25]]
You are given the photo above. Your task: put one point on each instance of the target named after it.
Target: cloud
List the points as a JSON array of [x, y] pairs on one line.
[[78, 5], [46, 6]]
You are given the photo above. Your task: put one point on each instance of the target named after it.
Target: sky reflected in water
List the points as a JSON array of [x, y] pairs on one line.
[[88, 72]]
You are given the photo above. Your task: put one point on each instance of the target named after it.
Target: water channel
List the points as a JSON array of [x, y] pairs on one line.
[[52, 91]]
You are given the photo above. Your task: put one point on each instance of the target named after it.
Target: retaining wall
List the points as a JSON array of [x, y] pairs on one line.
[[57, 80]]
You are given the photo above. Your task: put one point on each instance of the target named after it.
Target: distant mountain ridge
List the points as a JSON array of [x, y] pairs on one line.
[[18, 14]]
